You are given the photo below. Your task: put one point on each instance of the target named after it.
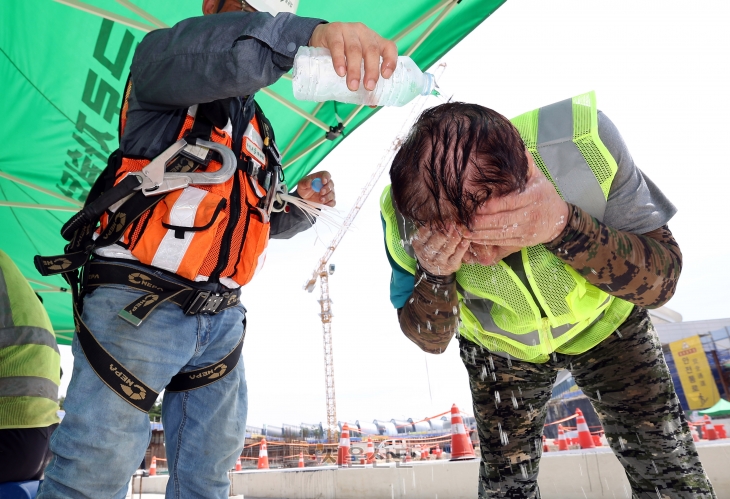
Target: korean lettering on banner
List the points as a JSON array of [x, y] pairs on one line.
[[97, 119], [694, 373]]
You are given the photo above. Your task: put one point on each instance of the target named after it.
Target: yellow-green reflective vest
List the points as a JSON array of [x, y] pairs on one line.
[[30, 363], [554, 309]]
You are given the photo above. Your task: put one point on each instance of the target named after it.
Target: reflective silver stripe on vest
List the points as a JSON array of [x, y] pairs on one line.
[[567, 166], [6, 315], [27, 335], [28, 386], [481, 308]]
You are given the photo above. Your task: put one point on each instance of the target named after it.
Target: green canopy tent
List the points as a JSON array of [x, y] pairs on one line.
[[722, 408], [63, 65]]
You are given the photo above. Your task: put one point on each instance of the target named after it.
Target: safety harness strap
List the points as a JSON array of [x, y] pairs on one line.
[[192, 300], [192, 380], [114, 375], [133, 390]]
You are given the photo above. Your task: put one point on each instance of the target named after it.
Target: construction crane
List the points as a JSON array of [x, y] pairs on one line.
[[322, 271]]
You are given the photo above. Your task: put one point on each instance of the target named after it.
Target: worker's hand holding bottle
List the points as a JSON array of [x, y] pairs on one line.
[[317, 187], [352, 43]]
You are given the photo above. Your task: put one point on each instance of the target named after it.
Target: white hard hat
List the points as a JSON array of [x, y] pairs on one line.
[[273, 7]]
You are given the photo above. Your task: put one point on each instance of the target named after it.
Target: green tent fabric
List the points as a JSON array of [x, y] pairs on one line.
[[722, 408], [63, 65]]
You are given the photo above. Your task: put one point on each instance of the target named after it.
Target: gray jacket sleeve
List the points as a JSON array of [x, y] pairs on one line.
[[214, 57], [288, 225], [635, 204]]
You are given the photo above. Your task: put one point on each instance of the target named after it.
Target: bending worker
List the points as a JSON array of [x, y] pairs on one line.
[[158, 305], [541, 244], [30, 368]]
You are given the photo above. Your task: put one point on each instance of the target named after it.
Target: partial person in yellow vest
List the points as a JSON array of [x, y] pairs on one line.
[[540, 244], [29, 377]]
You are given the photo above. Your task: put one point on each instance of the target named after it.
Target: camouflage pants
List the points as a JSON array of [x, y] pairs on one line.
[[629, 385]]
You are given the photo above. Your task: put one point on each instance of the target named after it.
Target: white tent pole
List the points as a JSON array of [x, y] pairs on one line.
[[12, 204], [51, 287], [142, 13], [301, 130], [420, 20], [301, 112], [305, 152], [40, 189], [352, 115], [432, 27], [76, 4]]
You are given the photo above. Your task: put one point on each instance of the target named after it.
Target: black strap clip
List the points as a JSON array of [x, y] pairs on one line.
[[207, 302]]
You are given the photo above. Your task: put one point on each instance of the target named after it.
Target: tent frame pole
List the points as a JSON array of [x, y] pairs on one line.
[[38, 188], [301, 130], [305, 152], [84, 7], [415, 24], [301, 112], [432, 26], [31, 206], [142, 13]]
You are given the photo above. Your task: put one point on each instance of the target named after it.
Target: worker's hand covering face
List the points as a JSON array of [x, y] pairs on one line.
[[325, 195], [439, 252], [350, 44], [534, 216]]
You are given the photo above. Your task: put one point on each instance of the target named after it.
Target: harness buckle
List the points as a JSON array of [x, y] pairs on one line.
[[206, 302]]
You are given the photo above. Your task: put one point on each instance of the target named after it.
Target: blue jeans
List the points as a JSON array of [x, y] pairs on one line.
[[102, 439]]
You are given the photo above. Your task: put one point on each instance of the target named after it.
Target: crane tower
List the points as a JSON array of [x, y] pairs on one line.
[[322, 273]]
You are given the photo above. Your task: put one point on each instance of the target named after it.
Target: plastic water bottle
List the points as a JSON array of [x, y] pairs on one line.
[[315, 79]]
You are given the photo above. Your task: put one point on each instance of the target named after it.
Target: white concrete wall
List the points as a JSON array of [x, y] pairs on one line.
[[563, 475]]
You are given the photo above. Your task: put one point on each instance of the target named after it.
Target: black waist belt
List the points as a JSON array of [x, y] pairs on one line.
[[204, 298]]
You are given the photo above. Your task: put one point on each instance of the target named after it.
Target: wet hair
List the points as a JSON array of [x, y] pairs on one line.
[[455, 158]]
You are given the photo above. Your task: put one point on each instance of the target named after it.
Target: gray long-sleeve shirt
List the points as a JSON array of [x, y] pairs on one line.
[[204, 59]]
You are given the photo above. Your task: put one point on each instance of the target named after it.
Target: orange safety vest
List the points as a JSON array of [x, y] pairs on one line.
[[203, 231]]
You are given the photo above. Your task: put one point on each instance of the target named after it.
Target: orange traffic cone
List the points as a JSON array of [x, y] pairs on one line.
[[720, 429], [407, 459], [584, 434], [562, 442], [544, 444], [693, 431], [596, 440], [301, 460], [461, 447], [343, 451], [709, 431], [238, 464], [153, 466], [263, 463], [439, 451], [370, 454]]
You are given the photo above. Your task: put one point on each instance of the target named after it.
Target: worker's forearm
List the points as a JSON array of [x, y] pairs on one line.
[[216, 57], [643, 269], [430, 316]]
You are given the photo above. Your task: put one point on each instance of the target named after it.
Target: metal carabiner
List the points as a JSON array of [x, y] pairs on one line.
[[155, 180]]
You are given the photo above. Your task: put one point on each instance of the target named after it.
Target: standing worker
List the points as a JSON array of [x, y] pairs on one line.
[[29, 377], [158, 302], [543, 244]]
